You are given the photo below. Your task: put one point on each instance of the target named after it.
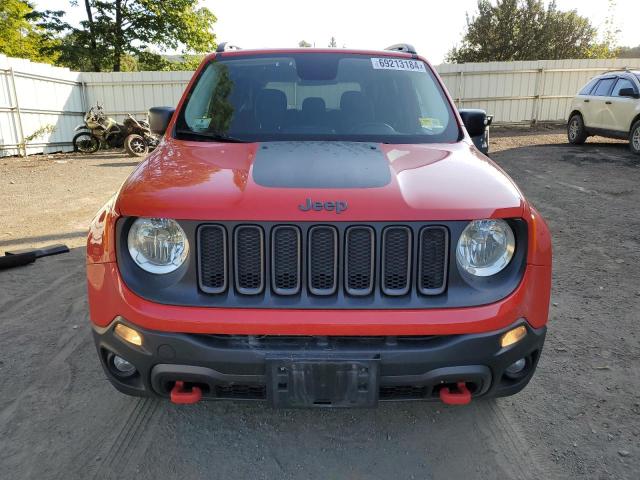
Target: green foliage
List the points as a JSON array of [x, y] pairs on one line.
[[24, 32], [154, 62], [527, 30], [40, 132], [304, 44], [117, 31], [628, 52], [333, 43], [187, 63]]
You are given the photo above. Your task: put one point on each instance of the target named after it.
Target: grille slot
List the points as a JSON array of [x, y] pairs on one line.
[[359, 260], [323, 260], [433, 256], [249, 259], [403, 392], [396, 260], [213, 258], [241, 391], [285, 258]]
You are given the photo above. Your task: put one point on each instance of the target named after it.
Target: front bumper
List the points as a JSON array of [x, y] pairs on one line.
[[242, 366]]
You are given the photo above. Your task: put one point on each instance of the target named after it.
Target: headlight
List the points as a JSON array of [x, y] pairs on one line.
[[485, 247], [157, 245]]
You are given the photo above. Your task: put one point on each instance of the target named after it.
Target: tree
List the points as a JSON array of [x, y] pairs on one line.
[[527, 30], [117, 28], [333, 43], [304, 44], [23, 31], [628, 52]]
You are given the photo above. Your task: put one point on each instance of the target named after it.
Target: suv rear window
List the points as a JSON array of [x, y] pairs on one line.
[[588, 87], [317, 96], [603, 87]]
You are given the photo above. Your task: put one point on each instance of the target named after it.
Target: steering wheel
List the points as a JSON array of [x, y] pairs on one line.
[[373, 128]]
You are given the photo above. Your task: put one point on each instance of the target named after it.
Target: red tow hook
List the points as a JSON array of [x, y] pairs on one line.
[[185, 397], [461, 397]]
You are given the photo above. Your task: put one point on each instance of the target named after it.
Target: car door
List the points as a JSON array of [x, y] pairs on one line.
[[595, 103], [620, 111], [582, 101]]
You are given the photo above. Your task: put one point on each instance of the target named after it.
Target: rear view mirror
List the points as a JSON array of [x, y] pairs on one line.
[[159, 118], [475, 121], [628, 92]]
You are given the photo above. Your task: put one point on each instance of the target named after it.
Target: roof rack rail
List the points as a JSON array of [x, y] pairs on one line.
[[621, 69], [226, 46], [402, 47]]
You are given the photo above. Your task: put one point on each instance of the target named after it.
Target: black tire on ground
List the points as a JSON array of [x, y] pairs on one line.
[[86, 142], [136, 145], [576, 133], [634, 138]]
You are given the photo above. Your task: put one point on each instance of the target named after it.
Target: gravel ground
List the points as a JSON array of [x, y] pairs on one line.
[[579, 417]]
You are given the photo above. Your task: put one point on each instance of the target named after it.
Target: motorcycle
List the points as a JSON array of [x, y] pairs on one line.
[[99, 130], [140, 139]]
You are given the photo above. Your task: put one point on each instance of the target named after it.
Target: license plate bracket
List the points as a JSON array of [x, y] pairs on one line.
[[322, 382]]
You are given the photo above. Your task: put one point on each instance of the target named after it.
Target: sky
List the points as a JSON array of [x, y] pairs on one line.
[[433, 27]]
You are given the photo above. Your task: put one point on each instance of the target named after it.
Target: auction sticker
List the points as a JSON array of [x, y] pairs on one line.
[[388, 63]]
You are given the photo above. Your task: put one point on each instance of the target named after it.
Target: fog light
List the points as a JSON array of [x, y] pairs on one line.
[[123, 366], [513, 336], [516, 368], [128, 334]]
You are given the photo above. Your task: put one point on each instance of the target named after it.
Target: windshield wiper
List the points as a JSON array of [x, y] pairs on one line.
[[217, 137]]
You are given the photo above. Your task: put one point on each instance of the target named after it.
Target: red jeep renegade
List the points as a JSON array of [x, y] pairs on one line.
[[317, 228]]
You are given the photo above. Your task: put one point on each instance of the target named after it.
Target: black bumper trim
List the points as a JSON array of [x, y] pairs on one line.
[[226, 367]]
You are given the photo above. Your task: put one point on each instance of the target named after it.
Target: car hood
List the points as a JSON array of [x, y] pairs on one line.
[[278, 180]]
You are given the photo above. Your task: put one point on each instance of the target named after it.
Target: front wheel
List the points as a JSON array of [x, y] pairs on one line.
[[634, 138], [136, 145], [576, 132], [86, 142]]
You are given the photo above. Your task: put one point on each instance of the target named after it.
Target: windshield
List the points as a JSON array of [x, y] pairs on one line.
[[317, 96]]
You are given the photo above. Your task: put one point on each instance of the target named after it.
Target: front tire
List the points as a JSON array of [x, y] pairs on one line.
[[634, 138], [136, 145], [86, 142], [576, 133]]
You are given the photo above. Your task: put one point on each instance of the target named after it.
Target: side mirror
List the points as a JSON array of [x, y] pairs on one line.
[[159, 118], [475, 121], [628, 92]]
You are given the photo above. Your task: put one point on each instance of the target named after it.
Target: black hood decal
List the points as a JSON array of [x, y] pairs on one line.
[[321, 165]]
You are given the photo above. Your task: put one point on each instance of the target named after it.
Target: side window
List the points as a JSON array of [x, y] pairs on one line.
[[622, 83], [603, 87], [588, 87]]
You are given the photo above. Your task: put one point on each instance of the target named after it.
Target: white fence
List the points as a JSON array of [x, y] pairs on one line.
[[33, 97], [40, 105], [524, 92]]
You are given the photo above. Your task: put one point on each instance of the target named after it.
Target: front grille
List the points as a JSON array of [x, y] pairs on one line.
[[213, 258], [396, 260], [323, 260], [285, 258], [257, 391], [359, 265], [403, 392], [324, 264], [249, 259], [432, 261]]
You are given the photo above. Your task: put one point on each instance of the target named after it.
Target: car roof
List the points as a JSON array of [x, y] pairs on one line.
[[613, 73], [277, 51]]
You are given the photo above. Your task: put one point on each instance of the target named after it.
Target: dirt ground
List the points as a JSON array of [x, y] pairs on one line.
[[579, 417]]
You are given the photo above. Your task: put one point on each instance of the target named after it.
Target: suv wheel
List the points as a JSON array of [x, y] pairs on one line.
[[634, 138], [576, 131]]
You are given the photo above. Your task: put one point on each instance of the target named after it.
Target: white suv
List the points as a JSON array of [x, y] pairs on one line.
[[609, 105]]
